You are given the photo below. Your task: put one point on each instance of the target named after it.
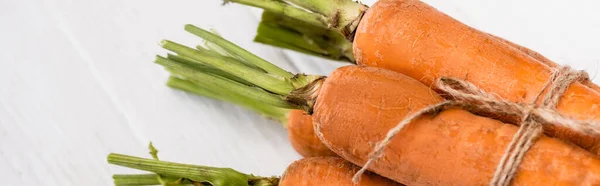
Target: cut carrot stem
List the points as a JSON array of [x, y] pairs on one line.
[[203, 81], [197, 65], [341, 16], [288, 10], [272, 34], [156, 179], [294, 24], [319, 6], [202, 174], [274, 84], [277, 29], [146, 179], [237, 51], [269, 111], [216, 81]]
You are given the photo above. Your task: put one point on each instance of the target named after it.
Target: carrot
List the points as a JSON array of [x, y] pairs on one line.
[[298, 32], [413, 38], [291, 32], [355, 106], [303, 138], [542, 59], [455, 147], [285, 32], [427, 52], [304, 172], [295, 32], [328, 171], [193, 76]]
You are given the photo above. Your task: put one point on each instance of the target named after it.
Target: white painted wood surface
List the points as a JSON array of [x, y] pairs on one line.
[[77, 81]]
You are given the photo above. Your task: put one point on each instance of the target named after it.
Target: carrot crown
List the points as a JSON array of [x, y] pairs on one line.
[[169, 173], [222, 70], [317, 27]]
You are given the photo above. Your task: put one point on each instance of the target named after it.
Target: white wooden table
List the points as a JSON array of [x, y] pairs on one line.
[[77, 81]]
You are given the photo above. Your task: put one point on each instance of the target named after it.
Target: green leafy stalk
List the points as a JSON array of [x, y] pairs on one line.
[[341, 16], [213, 72], [324, 7], [147, 179], [270, 82], [296, 25], [222, 84], [199, 66], [201, 174], [285, 32], [274, 35], [281, 7], [344, 15], [237, 51], [266, 110]]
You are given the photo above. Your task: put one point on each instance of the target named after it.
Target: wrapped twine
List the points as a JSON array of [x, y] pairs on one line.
[[465, 95]]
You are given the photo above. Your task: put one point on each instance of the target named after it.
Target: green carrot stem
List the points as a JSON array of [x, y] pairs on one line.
[[212, 175], [197, 65], [288, 10], [182, 84], [276, 113], [342, 12], [270, 82], [296, 92], [275, 29], [222, 83], [341, 16], [323, 7], [294, 24], [283, 44], [238, 51], [146, 179], [270, 33]]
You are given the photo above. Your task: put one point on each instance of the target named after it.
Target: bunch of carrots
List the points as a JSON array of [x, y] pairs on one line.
[[401, 47]]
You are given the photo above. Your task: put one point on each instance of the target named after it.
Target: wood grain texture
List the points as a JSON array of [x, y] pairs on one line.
[[77, 81]]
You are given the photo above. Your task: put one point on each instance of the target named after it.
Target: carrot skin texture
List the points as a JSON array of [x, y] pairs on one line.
[[357, 106], [328, 171], [542, 59], [302, 136], [413, 38]]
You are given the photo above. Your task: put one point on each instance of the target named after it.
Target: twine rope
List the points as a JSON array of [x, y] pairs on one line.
[[463, 94]]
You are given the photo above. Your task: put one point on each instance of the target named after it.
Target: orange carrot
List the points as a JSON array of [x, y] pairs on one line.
[[328, 171], [357, 106], [302, 136], [410, 37], [314, 32], [541, 58], [313, 171]]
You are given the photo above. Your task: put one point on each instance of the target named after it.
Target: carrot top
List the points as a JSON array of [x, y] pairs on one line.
[[225, 71], [340, 15], [170, 173], [317, 27], [285, 32]]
